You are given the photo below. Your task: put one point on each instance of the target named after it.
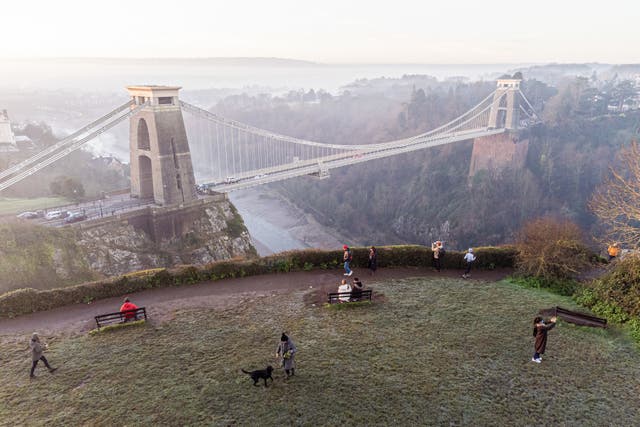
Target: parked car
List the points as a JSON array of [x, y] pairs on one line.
[[55, 215], [75, 217], [28, 215]]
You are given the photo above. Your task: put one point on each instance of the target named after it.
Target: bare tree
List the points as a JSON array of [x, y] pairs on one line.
[[551, 248], [617, 201]]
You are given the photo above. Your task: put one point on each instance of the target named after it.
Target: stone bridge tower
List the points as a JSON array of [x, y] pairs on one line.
[[506, 105], [505, 150], [160, 158]]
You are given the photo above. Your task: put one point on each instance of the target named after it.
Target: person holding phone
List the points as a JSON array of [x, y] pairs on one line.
[[540, 330]]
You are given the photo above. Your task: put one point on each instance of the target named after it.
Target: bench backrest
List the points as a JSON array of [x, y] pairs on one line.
[[363, 295], [120, 316]]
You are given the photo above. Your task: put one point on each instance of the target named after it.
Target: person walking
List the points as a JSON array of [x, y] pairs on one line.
[[469, 258], [436, 248], [347, 257], [373, 260], [286, 352], [36, 354], [540, 330]]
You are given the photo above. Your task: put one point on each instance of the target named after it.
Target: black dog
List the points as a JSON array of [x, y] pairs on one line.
[[261, 373]]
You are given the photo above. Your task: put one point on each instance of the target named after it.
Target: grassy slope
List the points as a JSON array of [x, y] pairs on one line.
[[39, 257], [439, 351], [12, 205]]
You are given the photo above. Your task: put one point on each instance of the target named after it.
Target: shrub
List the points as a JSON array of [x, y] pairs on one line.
[[621, 286], [551, 249], [634, 329]]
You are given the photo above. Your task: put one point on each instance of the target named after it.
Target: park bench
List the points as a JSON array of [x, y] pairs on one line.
[[119, 317], [334, 297], [575, 317]]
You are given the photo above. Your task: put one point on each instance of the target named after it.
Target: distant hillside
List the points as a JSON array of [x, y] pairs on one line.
[[220, 61], [428, 195]]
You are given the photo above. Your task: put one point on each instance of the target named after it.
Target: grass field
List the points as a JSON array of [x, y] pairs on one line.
[[15, 206], [436, 352]]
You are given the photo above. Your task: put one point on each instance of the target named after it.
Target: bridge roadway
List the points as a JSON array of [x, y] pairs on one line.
[[317, 167], [117, 204]]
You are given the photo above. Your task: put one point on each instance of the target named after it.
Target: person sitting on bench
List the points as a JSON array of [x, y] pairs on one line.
[[343, 288], [128, 305], [356, 289]]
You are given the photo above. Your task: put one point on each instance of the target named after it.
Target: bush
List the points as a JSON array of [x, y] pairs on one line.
[[621, 286], [25, 301], [551, 249], [616, 295]]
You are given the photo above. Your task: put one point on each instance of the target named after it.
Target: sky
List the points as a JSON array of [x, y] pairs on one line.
[[328, 31]]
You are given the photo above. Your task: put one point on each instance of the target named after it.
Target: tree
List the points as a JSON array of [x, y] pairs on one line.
[[617, 201], [549, 248], [67, 187]]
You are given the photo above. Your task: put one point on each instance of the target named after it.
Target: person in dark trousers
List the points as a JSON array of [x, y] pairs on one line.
[[286, 352], [469, 258], [36, 354], [347, 257], [436, 248], [356, 289], [540, 330], [373, 260]]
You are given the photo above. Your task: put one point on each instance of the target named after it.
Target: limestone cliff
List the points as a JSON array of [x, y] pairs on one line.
[[202, 232]]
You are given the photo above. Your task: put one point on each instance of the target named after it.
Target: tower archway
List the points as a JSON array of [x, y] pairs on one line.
[[146, 177], [144, 142]]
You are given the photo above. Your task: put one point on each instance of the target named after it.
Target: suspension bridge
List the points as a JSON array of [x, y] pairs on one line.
[[169, 162]]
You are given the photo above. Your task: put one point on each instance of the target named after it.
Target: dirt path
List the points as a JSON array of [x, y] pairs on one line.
[[162, 303]]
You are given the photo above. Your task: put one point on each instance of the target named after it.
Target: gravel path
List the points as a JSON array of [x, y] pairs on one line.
[[162, 303]]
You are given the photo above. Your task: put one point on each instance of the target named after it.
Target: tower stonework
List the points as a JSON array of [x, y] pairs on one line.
[[506, 105], [161, 165], [495, 153]]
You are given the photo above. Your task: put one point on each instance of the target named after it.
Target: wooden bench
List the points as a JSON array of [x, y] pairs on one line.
[[120, 317], [334, 297], [575, 317]]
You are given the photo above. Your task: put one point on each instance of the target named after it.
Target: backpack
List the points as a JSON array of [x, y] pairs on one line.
[[442, 252], [349, 255]]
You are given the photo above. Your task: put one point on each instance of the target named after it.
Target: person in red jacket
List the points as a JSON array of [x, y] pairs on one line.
[[128, 305]]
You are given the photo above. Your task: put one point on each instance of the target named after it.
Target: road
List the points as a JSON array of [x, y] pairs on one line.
[[109, 206]]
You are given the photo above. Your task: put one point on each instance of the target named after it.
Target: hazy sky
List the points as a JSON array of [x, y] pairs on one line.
[[337, 31]]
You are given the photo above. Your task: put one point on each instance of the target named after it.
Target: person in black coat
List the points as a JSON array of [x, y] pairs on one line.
[[373, 260]]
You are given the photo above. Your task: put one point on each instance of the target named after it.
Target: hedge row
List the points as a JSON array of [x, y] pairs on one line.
[[23, 301]]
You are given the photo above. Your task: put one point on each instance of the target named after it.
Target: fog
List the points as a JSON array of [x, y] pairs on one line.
[[68, 93], [270, 75]]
